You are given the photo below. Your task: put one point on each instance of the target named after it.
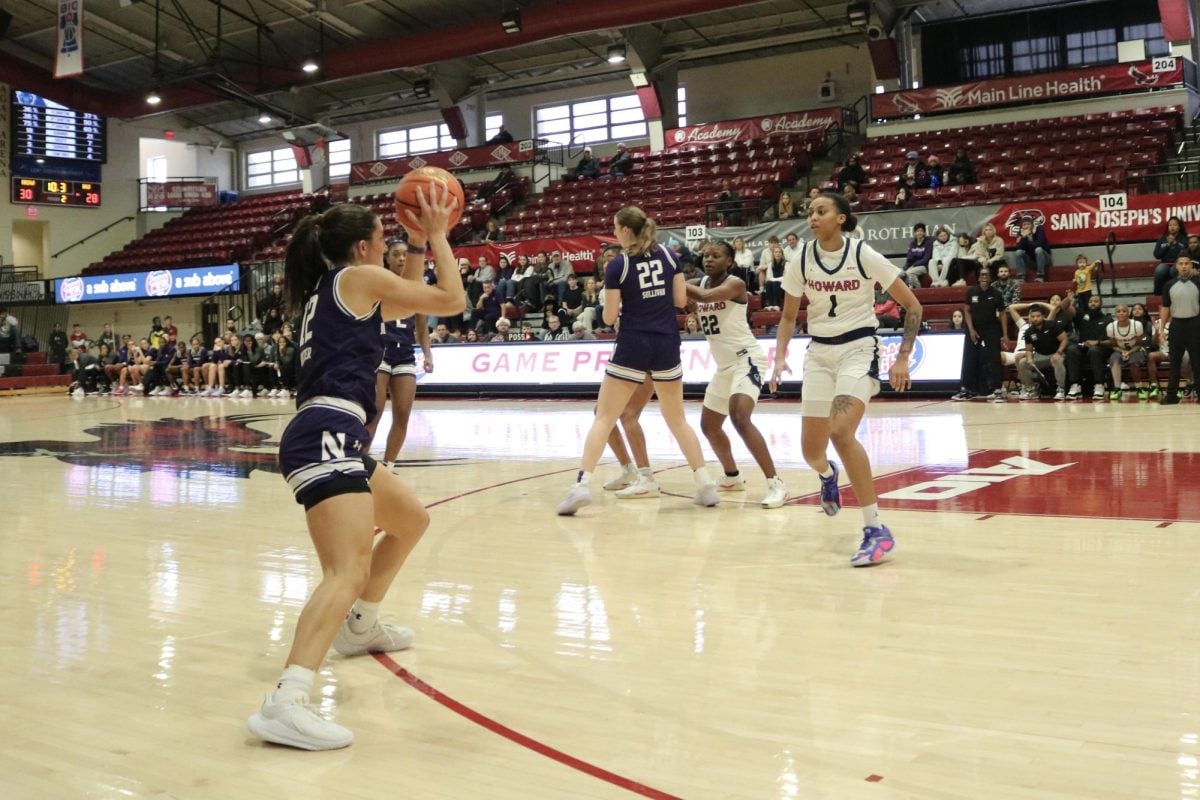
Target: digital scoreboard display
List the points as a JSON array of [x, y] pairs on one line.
[[42, 128], [54, 192]]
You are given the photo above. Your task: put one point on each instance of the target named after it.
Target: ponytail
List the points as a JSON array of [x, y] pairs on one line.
[[321, 240], [644, 229]]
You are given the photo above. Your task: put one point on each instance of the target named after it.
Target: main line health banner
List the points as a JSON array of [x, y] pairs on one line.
[[937, 357]]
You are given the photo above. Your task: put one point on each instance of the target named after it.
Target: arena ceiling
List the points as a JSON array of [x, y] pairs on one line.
[[219, 63]]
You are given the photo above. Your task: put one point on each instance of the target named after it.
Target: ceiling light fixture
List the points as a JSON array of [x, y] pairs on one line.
[[616, 53], [858, 14], [154, 98], [511, 21], [310, 65], [264, 118]]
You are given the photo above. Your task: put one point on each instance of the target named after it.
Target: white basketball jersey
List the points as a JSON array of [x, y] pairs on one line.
[[724, 325], [1126, 336], [840, 286]]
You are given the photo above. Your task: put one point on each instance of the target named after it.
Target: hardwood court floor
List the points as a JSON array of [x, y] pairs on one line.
[[1034, 636]]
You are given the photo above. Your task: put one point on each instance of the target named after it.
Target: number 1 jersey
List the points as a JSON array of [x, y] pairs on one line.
[[840, 286], [647, 290]]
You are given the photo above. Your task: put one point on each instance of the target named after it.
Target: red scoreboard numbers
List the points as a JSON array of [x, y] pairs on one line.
[[54, 192]]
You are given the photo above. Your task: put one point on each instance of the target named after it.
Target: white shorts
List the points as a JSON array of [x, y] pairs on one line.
[[397, 369], [744, 376], [832, 370]]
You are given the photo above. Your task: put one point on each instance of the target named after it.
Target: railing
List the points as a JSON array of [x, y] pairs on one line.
[[92, 235], [240, 306], [200, 191], [1179, 176]]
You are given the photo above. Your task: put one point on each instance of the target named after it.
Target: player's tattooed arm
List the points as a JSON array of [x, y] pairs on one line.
[[912, 326]]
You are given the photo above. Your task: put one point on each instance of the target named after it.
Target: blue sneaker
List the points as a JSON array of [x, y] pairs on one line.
[[877, 545], [831, 496]]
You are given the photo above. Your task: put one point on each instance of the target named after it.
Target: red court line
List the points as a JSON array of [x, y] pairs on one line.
[[518, 737]]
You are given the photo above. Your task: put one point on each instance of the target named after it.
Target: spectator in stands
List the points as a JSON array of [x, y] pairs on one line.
[[958, 321], [988, 249], [550, 308], [78, 337], [10, 332], [266, 374], [572, 300], [1091, 335], [940, 257], [742, 257], [157, 381], [287, 362], [272, 322], [472, 337], [622, 163], [169, 327], [531, 284], [858, 203], [158, 334], [273, 299], [785, 209], [506, 278], [493, 232], [770, 278], [591, 300], [502, 331], [1193, 247], [441, 335], [246, 370], [588, 167], [920, 251], [502, 137], [1171, 245], [108, 366], [85, 372], [813, 193], [963, 263], [56, 347], [962, 171], [580, 332], [729, 205], [691, 328], [560, 269], [487, 309], [1085, 274], [107, 337], [1045, 346], [983, 307], [912, 174], [1032, 250], [691, 273], [935, 176], [133, 357], [1126, 337], [526, 335], [484, 271], [904, 199], [214, 370], [851, 173], [555, 332], [1010, 290], [791, 247], [192, 365], [887, 310]]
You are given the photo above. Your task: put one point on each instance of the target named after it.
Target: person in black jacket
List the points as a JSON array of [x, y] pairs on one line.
[[57, 346], [851, 173], [961, 169], [622, 162], [1171, 245], [982, 372]]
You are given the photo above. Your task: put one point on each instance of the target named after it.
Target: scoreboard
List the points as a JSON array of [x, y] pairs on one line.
[[42, 128], [54, 192]]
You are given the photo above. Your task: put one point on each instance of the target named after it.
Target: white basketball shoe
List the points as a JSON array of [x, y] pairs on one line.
[[293, 722]]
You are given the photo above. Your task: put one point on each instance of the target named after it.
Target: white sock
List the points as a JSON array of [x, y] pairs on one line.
[[702, 477], [294, 680], [363, 616], [828, 473], [630, 469], [584, 478], [871, 516], [646, 472]]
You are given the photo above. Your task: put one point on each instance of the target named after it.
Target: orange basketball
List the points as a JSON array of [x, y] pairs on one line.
[[425, 178]]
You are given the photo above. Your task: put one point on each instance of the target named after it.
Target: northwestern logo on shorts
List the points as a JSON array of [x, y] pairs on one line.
[[889, 348], [158, 283], [70, 290]]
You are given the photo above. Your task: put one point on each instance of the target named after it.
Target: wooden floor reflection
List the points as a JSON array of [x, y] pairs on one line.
[[1034, 636]]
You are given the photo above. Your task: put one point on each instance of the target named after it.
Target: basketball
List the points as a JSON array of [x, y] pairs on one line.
[[425, 178]]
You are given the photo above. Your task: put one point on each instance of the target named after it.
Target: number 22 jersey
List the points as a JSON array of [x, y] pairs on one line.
[[840, 285], [647, 290]]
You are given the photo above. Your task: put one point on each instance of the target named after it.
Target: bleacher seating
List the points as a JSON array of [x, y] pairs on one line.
[[219, 234], [1028, 160], [36, 375], [672, 186]]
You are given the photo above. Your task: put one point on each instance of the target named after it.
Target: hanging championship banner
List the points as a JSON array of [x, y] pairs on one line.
[[68, 56]]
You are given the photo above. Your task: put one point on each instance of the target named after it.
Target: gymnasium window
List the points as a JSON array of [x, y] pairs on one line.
[[1152, 32], [271, 168], [401, 142], [1039, 54], [339, 158], [982, 61], [615, 118], [1091, 47]]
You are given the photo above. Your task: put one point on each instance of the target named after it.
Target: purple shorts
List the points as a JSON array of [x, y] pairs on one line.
[[638, 354], [323, 454]]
